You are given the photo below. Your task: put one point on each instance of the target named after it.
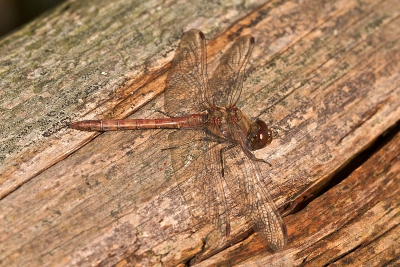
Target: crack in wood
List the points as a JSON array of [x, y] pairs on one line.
[[303, 199]]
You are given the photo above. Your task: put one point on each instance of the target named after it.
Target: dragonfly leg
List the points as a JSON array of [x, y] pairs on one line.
[[252, 157], [221, 158]]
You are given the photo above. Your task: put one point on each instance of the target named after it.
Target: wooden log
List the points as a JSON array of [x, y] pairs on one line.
[[325, 75], [356, 221]]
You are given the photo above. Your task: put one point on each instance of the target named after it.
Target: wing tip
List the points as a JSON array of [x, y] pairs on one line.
[[252, 40], [201, 34]]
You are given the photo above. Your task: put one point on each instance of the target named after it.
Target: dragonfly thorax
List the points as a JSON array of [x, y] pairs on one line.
[[225, 121], [230, 123]]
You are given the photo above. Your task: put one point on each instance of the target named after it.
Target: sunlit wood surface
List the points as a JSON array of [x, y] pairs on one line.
[[325, 75]]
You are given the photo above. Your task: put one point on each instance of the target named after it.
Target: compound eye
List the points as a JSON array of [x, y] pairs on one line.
[[263, 137]]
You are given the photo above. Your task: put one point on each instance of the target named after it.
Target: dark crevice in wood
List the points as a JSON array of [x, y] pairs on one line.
[[342, 256], [205, 254], [343, 172], [393, 261], [193, 260], [376, 239]]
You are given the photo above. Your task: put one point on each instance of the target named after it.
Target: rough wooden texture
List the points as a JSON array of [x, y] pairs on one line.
[[326, 75]]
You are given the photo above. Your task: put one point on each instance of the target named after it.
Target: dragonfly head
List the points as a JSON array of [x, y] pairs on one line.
[[262, 137]]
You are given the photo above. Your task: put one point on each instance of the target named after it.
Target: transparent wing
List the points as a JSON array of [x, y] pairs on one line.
[[187, 79], [197, 170], [250, 194], [227, 80]]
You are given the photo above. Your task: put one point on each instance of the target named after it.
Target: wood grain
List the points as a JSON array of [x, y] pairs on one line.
[[354, 223], [325, 75]]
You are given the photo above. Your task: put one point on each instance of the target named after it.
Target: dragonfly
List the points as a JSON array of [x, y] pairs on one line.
[[211, 140]]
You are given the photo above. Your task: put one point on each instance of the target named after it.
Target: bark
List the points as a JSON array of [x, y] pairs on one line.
[[325, 75]]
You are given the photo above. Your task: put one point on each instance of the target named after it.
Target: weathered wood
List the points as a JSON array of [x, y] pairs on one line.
[[354, 223], [84, 60], [325, 75]]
